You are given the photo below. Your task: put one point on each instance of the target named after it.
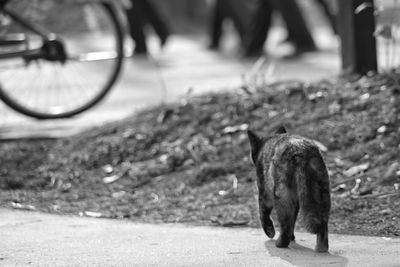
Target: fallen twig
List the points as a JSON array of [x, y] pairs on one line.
[[231, 223], [381, 195], [347, 180]]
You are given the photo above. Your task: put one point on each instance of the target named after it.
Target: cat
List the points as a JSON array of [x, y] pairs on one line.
[[291, 176]]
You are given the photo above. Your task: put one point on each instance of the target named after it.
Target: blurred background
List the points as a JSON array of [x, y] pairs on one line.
[[199, 46]]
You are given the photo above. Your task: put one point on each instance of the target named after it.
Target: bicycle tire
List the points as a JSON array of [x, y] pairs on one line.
[[47, 112]]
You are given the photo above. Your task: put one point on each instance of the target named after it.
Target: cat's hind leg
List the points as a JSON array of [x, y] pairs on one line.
[[296, 212], [265, 204], [286, 211], [322, 238]]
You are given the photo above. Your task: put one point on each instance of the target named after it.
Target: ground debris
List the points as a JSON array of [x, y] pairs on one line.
[[108, 169], [112, 179], [235, 129], [91, 214], [356, 169], [20, 206], [391, 173], [231, 223]]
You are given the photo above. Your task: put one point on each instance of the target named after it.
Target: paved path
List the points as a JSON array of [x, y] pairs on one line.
[[184, 64], [36, 239]]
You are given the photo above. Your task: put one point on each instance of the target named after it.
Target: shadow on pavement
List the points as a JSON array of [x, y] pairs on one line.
[[302, 256]]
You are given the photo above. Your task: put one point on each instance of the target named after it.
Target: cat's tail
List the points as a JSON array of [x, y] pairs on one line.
[[313, 192]]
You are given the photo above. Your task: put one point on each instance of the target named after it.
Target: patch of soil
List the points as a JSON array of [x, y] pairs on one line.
[[189, 162]]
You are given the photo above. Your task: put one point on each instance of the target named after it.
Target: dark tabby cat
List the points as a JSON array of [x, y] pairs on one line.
[[291, 175]]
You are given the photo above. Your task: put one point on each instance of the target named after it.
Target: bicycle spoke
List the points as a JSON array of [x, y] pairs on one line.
[[74, 90], [83, 81]]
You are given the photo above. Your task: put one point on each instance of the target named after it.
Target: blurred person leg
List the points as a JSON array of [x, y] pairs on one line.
[[329, 14], [259, 28], [237, 11], [298, 32], [136, 22], [217, 20], [155, 18]]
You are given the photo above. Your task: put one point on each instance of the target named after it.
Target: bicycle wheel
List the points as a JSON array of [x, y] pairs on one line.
[[92, 40]]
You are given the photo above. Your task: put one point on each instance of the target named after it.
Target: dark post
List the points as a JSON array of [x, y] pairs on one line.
[[356, 28]]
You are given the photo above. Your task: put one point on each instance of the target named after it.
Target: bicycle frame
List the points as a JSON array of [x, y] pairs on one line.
[[44, 34]]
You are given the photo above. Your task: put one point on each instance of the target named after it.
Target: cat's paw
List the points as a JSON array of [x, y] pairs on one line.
[[282, 242], [292, 238], [270, 231], [321, 248], [322, 242]]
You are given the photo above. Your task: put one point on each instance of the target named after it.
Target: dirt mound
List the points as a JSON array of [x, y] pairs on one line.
[[189, 161]]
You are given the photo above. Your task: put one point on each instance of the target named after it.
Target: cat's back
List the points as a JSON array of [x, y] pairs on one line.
[[285, 147]]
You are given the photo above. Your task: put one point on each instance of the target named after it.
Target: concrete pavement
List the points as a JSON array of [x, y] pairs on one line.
[[37, 239]]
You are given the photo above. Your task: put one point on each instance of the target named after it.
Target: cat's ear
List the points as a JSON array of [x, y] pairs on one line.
[[281, 130], [255, 145]]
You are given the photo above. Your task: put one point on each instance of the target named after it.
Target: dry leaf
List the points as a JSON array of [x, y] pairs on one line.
[[108, 169], [111, 179], [382, 129], [118, 194], [356, 169], [235, 129], [93, 214], [20, 206]]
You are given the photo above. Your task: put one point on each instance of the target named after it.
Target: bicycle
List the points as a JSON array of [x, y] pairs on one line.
[[58, 58]]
